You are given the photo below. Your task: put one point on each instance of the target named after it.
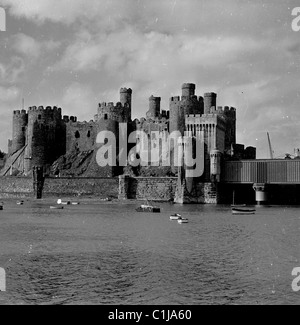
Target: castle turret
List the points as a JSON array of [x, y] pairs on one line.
[[20, 121], [39, 145], [43, 142], [210, 100], [230, 135], [125, 99], [188, 90], [188, 104], [154, 107]]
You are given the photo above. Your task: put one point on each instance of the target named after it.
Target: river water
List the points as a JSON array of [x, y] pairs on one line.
[[106, 253]]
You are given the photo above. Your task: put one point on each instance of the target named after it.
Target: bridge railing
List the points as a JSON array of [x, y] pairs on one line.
[[277, 171]]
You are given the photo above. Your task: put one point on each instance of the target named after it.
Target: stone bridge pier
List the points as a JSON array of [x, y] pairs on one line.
[[261, 193]]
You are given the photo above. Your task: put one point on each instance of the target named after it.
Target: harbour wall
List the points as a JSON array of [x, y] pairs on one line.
[[135, 188], [11, 187], [16, 187], [164, 189], [81, 187], [151, 188]]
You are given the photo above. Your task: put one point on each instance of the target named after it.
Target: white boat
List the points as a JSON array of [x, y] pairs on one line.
[[59, 201], [105, 200], [20, 202], [183, 220], [148, 208], [175, 216]]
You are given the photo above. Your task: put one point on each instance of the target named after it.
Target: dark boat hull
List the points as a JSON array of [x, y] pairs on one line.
[[148, 209], [243, 211]]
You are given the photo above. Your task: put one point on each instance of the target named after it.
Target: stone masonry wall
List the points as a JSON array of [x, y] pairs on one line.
[[152, 188], [95, 187], [16, 187]]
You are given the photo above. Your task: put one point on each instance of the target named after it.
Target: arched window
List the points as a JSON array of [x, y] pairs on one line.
[[89, 134], [105, 116], [77, 135]]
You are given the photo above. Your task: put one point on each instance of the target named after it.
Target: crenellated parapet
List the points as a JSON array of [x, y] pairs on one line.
[[160, 124], [69, 119], [49, 116], [119, 112], [110, 111]]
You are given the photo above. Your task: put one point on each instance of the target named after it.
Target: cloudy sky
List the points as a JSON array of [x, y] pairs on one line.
[[77, 53]]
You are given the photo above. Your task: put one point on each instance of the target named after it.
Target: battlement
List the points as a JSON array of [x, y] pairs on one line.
[[155, 99], [175, 99], [68, 119], [157, 120], [227, 111], [111, 105], [53, 109], [210, 95], [183, 98], [126, 90], [189, 116], [20, 112]]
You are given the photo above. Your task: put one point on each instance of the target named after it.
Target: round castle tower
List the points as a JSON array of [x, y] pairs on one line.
[[189, 103], [210, 100], [188, 90], [42, 141], [20, 121], [126, 101], [154, 107]]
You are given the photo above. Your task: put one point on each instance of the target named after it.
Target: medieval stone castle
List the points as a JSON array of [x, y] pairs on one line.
[[65, 147]]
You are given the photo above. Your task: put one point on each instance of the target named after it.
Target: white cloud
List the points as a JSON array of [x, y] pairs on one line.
[[12, 72], [27, 46], [32, 48], [9, 94]]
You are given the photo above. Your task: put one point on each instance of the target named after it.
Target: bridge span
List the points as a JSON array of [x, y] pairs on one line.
[[268, 171], [271, 179]]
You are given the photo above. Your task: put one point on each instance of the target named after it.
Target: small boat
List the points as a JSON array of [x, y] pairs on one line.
[[59, 201], [105, 200], [175, 216], [75, 203], [183, 220], [20, 202], [241, 211], [56, 208], [148, 208]]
